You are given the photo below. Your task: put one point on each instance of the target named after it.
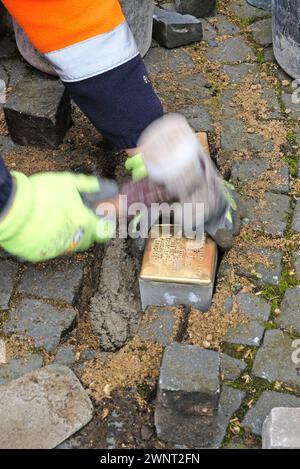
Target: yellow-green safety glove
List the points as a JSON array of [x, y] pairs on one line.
[[135, 164], [48, 218]]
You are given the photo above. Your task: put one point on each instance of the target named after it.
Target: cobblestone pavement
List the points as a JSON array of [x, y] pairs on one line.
[[229, 86]]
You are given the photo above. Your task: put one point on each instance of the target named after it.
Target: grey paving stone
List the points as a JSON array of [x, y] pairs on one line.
[[160, 60], [281, 429], [271, 216], [61, 283], [256, 416], [258, 144], [257, 311], [290, 310], [238, 72], [290, 105], [230, 401], [199, 118], [17, 367], [249, 170], [88, 354], [6, 145], [274, 111], [228, 106], [42, 409], [65, 356], [159, 325], [231, 368], [245, 334], [188, 395], [38, 112], [297, 264], [266, 271], [41, 322], [232, 50], [171, 29], [225, 27], [296, 217], [244, 11], [209, 32], [233, 135], [269, 55], [196, 86], [196, 8], [262, 32], [17, 70], [273, 360], [8, 271]]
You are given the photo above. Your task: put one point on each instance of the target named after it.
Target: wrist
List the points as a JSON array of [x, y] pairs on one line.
[[6, 188], [17, 209]]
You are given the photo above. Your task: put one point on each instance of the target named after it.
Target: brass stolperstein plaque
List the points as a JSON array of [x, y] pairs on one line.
[[178, 260]]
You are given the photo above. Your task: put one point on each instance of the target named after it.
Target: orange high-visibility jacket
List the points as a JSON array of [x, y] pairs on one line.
[[81, 38]]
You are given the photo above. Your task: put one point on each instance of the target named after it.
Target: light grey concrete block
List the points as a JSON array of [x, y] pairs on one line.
[[42, 409], [281, 429]]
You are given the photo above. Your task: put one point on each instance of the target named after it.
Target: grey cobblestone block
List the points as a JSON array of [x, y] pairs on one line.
[[231, 368], [257, 143], [274, 111], [8, 271], [41, 322], [209, 32], [256, 416], [61, 283], [249, 170], [65, 356], [257, 311], [294, 108], [199, 118], [290, 310], [262, 32], [188, 395], [159, 60], [281, 429], [194, 7], [38, 112], [271, 216], [171, 29], [297, 264], [233, 133], [196, 86], [244, 11], [237, 73], [267, 270], [232, 50], [225, 27], [228, 106], [42, 409], [159, 325], [273, 360], [230, 401], [296, 218], [18, 367]]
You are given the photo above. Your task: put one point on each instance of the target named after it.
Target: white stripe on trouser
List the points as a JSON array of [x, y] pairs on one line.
[[94, 56]]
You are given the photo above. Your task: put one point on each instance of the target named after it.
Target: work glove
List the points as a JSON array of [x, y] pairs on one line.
[[174, 159], [135, 164], [47, 216], [226, 223]]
